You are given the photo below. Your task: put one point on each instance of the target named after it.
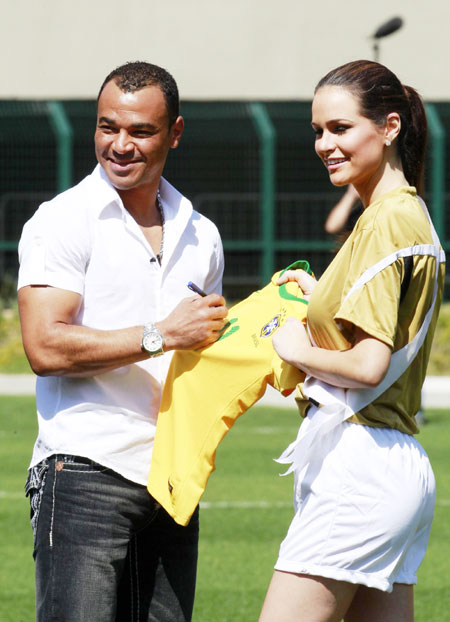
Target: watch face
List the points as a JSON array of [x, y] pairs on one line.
[[152, 342]]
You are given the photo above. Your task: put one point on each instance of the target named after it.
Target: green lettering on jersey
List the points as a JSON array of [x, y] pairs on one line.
[[229, 330]]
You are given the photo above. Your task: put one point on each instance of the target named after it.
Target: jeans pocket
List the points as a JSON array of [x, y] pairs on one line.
[[78, 464], [34, 488]]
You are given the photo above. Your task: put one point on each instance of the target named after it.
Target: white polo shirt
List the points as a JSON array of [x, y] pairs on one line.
[[85, 241]]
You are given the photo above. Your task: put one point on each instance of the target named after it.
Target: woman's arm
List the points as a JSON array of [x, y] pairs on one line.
[[362, 366]]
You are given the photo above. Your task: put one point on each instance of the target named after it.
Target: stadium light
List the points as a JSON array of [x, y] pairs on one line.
[[384, 30]]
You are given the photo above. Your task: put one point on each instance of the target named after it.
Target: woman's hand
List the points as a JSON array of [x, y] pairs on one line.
[[291, 341], [305, 281]]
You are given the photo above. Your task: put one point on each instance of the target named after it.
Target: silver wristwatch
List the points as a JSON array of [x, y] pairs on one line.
[[152, 340]]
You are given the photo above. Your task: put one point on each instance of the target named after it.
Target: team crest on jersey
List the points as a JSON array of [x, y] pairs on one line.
[[271, 326]]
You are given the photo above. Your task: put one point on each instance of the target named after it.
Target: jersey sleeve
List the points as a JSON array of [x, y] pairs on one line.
[[285, 376], [374, 306], [54, 249]]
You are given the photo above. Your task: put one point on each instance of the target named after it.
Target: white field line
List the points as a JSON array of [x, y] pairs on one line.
[[12, 495], [255, 505], [271, 430], [219, 505], [243, 505]]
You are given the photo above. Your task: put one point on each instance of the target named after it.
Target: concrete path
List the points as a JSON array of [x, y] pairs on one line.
[[17, 384], [436, 391]]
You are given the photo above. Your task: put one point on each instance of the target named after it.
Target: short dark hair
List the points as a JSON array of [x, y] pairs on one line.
[[133, 76], [379, 93]]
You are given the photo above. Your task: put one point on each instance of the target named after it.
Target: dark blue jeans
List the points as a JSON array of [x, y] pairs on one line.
[[105, 550]]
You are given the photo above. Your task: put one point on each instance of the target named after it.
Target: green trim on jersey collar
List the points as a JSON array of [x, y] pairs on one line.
[[300, 264]]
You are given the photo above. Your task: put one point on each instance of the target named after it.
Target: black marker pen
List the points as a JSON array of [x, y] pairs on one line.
[[193, 287]]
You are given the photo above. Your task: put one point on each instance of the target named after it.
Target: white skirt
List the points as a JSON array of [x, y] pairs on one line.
[[364, 505]]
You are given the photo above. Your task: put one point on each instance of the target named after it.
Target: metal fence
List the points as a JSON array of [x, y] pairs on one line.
[[249, 166]]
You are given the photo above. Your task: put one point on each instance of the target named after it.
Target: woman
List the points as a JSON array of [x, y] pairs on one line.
[[364, 491]]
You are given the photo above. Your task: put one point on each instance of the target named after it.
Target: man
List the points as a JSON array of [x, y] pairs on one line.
[[103, 277]]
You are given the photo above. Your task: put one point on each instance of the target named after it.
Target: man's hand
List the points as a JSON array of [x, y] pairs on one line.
[[194, 323]]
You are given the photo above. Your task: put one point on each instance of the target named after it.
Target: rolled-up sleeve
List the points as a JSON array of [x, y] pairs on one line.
[[52, 251]]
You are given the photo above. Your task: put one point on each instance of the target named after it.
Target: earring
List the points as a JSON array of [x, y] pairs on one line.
[[387, 142]]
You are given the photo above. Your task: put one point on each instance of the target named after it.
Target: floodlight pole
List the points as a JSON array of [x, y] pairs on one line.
[[376, 51]]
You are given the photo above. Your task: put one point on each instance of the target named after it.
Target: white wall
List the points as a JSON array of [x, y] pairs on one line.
[[216, 49]]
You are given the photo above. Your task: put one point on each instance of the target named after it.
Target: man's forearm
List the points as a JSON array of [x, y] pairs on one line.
[[57, 346], [78, 351]]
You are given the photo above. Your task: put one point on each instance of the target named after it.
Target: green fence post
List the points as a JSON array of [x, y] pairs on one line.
[[437, 133], [267, 139], [63, 133]]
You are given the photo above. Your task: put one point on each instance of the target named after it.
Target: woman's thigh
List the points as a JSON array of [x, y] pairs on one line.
[[372, 605], [304, 598]]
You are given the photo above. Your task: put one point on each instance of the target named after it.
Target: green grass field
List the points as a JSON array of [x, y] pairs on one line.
[[245, 513]]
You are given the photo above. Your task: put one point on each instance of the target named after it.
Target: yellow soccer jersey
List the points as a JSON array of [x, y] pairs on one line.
[[207, 390]]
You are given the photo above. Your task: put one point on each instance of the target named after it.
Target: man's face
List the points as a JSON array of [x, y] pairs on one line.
[[132, 137]]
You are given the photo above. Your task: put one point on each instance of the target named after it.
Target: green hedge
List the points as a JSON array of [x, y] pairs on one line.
[[439, 364], [12, 356]]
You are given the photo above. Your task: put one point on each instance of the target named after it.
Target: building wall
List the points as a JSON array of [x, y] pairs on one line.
[[216, 49]]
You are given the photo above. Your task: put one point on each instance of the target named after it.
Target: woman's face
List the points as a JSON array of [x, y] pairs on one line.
[[351, 146]]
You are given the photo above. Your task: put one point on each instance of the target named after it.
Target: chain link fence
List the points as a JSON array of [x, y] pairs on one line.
[[228, 164]]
